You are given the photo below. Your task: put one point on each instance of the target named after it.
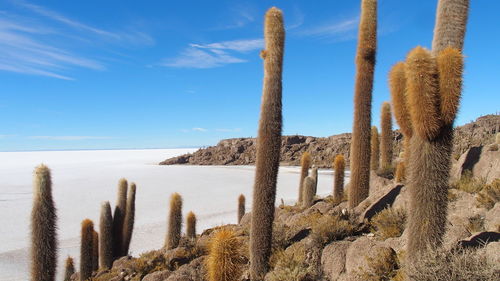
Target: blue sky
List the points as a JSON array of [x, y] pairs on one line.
[[159, 74]]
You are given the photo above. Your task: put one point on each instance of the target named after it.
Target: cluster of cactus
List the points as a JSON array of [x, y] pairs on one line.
[[361, 131], [268, 146], [426, 93]]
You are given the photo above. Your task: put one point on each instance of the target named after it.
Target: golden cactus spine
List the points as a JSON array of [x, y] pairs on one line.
[[86, 249], [241, 207], [224, 257], [69, 269], [191, 225], [308, 189], [95, 250], [268, 146], [128, 224], [119, 218], [305, 164], [338, 183], [400, 172], [174, 222], [43, 227], [375, 149], [431, 144], [386, 140], [361, 131], [106, 236]]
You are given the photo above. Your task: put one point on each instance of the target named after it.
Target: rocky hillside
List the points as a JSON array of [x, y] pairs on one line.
[[241, 151]]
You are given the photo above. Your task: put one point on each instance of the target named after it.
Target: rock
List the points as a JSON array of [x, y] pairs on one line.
[[492, 219], [381, 203], [333, 259], [493, 252], [157, 276], [481, 162], [358, 253], [480, 239], [194, 271]]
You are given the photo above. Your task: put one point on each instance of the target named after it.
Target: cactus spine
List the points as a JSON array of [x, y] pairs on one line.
[[361, 132], [43, 227], [119, 218], [338, 183], [375, 150], [86, 249], [69, 269], [386, 137], [308, 196], [106, 237], [305, 164], [432, 111], [241, 207], [95, 251], [191, 225], [268, 146], [174, 222], [224, 257], [128, 225], [400, 172]]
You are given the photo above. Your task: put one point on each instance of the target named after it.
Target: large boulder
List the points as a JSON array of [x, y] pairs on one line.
[[358, 255], [194, 271], [333, 259], [492, 219], [157, 276], [480, 161]]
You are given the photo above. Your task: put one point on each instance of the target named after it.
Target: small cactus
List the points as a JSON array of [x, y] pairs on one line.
[[400, 172], [95, 250], [308, 196], [191, 225], [361, 131], [86, 249], [305, 164], [174, 222], [43, 228], [106, 237], [224, 261], [386, 139], [338, 183], [119, 218], [268, 146], [128, 225], [375, 150], [314, 175], [69, 269], [241, 207]]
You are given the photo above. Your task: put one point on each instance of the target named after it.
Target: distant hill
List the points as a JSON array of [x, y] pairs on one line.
[[241, 151]]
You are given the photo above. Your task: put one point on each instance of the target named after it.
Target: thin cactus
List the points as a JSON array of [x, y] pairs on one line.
[[191, 225], [106, 237], [119, 218], [174, 222], [241, 207], [305, 164], [128, 225], [86, 249]]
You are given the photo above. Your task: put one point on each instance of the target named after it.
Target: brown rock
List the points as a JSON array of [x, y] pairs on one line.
[[157, 276], [333, 259], [480, 161], [358, 252], [194, 271], [492, 218]]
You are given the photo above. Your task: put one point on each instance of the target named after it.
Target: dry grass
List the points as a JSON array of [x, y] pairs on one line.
[[458, 265], [291, 266], [469, 184], [384, 266], [475, 224], [489, 195], [330, 228], [388, 223]]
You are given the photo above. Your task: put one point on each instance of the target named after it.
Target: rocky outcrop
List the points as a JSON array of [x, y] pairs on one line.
[[480, 161], [241, 151]]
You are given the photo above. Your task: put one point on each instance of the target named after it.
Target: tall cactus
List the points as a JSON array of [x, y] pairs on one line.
[[305, 164], [375, 150], [95, 250], [224, 257], [128, 224], [386, 138], [268, 146], [119, 218], [451, 20], [338, 182], [106, 236], [434, 86], [308, 189], [86, 249], [174, 222], [361, 131], [191, 225], [314, 175], [69, 269], [43, 227], [241, 207]]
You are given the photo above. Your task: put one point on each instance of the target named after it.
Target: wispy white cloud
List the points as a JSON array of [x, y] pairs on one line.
[[344, 29], [6, 136], [196, 129], [213, 54], [235, 130], [199, 129], [69, 138]]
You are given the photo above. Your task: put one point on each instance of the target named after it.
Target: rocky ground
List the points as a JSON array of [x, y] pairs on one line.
[[241, 151], [327, 242]]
